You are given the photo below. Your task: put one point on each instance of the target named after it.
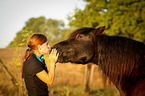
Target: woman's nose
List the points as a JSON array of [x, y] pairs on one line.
[[49, 47]]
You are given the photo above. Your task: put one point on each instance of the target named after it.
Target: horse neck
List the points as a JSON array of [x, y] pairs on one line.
[[115, 58]]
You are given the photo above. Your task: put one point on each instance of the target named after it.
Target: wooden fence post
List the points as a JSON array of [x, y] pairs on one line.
[[89, 70]]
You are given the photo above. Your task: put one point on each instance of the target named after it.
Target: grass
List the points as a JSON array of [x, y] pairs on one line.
[[69, 78], [69, 91]]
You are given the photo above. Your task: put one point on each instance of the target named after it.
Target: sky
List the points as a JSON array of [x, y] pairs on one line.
[[14, 14]]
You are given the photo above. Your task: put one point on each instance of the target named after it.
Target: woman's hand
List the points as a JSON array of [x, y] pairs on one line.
[[48, 77], [53, 56]]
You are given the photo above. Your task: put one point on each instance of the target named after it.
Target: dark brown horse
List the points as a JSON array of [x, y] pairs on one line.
[[122, 59]]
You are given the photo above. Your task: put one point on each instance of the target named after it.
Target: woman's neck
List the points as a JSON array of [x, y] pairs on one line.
[[37, 53]]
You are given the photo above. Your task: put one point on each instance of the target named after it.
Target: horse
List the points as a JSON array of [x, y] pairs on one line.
[[120, 58]]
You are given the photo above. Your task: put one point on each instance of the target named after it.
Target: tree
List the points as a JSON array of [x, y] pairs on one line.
[[53, 29], [34, 24], [65, 33], [93, 15], [127, 17], [20, 39], [121, 17]]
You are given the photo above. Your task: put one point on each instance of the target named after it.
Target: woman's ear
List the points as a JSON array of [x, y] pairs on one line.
[[39, 48]]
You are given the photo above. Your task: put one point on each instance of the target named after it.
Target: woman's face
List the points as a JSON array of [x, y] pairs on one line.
[[44, 48]]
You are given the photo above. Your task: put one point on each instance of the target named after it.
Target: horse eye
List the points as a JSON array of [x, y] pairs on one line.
[[79, 36]]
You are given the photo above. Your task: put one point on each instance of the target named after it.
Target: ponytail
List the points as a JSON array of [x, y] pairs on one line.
[[33, 41], [27, 55]]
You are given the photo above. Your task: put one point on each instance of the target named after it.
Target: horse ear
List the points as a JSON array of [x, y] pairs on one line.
[[99, 31]]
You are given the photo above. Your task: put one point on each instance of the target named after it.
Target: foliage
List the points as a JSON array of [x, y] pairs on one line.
[[51, 28], [21, 38], [16, 70], [11, 81], [34, 24], [65, 33], [91, 16], [121, 17]]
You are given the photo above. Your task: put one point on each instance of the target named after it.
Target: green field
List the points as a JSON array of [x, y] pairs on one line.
[[69, 78]]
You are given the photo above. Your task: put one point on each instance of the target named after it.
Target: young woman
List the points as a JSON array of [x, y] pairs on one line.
[[34, 70]]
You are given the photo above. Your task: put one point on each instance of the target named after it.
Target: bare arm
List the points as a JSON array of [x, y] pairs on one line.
[[48, 78]]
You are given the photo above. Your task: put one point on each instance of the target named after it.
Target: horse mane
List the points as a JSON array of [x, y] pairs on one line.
[[83, 30], [120, 57]]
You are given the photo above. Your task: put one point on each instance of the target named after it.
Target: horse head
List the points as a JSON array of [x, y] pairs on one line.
[[80, 47]]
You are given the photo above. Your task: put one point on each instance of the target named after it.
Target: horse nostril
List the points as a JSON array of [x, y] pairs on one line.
[[83, 59]]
